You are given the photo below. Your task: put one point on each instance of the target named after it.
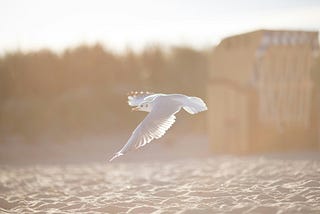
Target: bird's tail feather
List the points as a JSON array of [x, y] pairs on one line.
[[194, 105]]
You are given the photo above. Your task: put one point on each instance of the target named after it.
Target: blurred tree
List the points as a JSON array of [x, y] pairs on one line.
[[84, 89], [188, 70], [154, 71]]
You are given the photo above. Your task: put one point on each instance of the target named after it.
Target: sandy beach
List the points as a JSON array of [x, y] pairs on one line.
[[199, 185]]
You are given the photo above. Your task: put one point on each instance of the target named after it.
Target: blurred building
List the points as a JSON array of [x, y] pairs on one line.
[[261, 94]]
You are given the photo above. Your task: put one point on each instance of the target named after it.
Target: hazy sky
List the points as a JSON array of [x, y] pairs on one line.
[[118, 24]]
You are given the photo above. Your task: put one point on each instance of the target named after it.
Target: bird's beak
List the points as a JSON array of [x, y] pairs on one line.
[[135, 109]]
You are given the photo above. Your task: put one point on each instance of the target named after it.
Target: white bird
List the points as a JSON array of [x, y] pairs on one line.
[[162, 109]]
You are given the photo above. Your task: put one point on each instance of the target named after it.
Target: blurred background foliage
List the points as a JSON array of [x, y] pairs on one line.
[[83, 90]]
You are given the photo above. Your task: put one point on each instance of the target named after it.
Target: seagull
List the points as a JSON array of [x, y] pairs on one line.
[[162, 109]]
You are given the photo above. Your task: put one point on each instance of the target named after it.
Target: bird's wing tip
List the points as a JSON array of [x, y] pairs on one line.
[[118, 154]]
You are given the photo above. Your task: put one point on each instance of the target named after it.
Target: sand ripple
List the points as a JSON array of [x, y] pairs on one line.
[[228, 185]]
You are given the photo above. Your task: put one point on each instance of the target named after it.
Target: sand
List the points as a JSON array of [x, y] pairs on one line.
[[200, 185]]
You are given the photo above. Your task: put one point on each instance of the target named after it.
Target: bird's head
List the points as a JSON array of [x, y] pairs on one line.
[[145, 106]]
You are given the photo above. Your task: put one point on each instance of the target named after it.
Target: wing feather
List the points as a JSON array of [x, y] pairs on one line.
[[154, 131]]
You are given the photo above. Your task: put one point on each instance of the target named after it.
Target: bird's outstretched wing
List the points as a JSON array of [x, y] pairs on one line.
[[154, 126]]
